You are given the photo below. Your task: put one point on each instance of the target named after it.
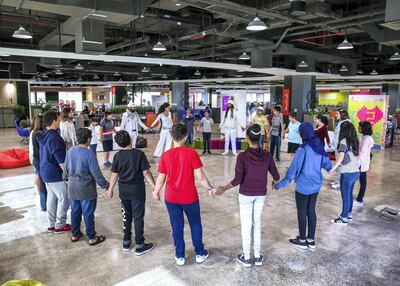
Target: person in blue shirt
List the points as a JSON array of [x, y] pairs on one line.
[[294, 139], [306, 171]]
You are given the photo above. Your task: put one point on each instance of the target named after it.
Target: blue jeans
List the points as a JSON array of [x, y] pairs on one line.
[[43, 195], [176, 218], [93, 147], [87, 209], [347, 182], [275, 144], [189, 140], [261, 142]]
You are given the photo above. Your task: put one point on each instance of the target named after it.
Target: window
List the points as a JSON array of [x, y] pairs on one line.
[[38, 97], [70, 97]]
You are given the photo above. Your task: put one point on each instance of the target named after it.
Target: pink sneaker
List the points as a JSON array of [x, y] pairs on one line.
[[66, 228]]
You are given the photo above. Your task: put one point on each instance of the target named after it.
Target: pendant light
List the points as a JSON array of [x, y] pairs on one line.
[[244, 56], [159, 47], [256, 25], [116, 74], [303, 64], [79, 67], [59, 72], [343, 69], [197, 73], [345, 45], [96, 77], [164, 76], [145, 69], [395, 57], [21, 33], [374, 72]]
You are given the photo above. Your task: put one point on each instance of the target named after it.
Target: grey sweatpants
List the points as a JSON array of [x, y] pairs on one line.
[[57, 204]]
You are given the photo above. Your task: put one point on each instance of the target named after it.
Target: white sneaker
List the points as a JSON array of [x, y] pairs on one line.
[[180, 261], [225, 153], [335, 186], [334, 183], [235, 154], [202, 258], [357, 204]]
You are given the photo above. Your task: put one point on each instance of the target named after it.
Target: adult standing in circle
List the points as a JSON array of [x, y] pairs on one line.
[[229, 127], [165, 117], [130, 123], [67, 128]]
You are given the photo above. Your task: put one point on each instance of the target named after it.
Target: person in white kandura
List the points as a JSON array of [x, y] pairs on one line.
[[130, 123], [165, 117], [229, 126]]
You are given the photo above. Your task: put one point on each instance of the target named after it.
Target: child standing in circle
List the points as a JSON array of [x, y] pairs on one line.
[[294, 139], [94, 122], [188, 120], [206, 124], [107, 130], [305, 170], [261, 120], [165, 117], [276, 131], [348, 151], [366, 145], [251, 173], [177, 170], [229, 127], [67, 128]]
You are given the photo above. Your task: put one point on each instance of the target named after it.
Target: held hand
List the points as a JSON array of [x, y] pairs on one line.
[[220, 191], [211, 193], [156, 196], [109, 194]]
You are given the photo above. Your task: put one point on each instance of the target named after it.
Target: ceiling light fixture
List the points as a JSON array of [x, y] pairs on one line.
[[197, 73], [179, 23], [164, 76], [98, 15], [59, 72], [395, 57], [91, 42], [360, 72], [374, 72], [142, 16], [178, 4], [116, 74], [79, 67], [4, 55], [343, 69], [21, 33], [303, 64], [159, 47], [256, 25], [244, 56], [96, 77], [145, 69], [345, 45]]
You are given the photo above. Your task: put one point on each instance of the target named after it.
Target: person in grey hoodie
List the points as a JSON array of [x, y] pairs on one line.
[[82, 172]]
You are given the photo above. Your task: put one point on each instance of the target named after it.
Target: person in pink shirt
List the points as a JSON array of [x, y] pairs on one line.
[[364, 159]]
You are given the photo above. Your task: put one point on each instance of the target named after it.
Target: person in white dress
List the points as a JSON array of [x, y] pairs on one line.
[[131, 121], [165, 118], [228, 126], [67, 128]]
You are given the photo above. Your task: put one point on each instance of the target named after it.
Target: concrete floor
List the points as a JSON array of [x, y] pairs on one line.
[[365, 253]]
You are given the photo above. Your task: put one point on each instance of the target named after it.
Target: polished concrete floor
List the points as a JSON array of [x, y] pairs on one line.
[[365, 253]]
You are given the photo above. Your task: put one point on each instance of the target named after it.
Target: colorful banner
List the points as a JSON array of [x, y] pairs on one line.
[[286, 102], [225, 100], [372, 108]]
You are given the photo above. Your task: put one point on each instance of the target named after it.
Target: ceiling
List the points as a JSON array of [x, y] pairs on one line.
[[198, 31]]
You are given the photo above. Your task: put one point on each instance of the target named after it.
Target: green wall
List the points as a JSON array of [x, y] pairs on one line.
[[333, 98]]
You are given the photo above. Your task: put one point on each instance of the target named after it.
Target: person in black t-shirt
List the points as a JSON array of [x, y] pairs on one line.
[[130, 167]]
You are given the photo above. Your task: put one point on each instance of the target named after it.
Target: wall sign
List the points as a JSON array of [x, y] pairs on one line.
[[286, 102]]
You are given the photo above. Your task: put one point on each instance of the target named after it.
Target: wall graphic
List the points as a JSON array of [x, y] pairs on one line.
[[286, 102], [372, 108]]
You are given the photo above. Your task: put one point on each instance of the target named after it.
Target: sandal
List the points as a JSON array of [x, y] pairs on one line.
[[76, 238], [99, 239]]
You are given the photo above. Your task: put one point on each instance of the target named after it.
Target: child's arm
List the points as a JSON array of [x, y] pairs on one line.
[[113, 182], [326, 163], [338, 162], [159, 185], [204, 181], [149, 178], [293, 170]]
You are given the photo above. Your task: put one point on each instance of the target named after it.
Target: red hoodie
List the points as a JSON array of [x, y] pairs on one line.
[[251, 172]]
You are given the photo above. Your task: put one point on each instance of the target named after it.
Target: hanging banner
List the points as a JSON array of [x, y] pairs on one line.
[[225, 100], [286, 102], [372, 108]]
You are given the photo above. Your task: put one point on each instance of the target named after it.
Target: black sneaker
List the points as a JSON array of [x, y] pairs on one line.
[[144, 248], [245, 263], [339, 221], [258, 261], [204, 152], [126, 245], [297, 243], [209, 152], [311, 244]]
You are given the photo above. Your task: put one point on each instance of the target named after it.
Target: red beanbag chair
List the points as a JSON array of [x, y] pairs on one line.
[[14, 158]]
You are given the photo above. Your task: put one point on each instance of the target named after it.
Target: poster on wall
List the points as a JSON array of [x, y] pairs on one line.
[[286, 102], [225, 100], [372, 108]]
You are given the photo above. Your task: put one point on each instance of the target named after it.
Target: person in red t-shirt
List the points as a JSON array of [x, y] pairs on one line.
[[177, 169]]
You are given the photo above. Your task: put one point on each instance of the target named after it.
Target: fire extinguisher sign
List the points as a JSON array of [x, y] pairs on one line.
[[286, 102]]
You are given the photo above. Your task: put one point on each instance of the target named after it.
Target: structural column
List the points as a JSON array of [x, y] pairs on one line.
[[393, 90], [180, 97], [299, 93]]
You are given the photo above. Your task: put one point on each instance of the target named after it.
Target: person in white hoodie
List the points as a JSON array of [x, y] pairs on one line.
[[67, 128], [130, 123], [228, 126]]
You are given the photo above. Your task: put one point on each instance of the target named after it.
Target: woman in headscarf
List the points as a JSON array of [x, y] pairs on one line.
[[306, 171], [228, 126]]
